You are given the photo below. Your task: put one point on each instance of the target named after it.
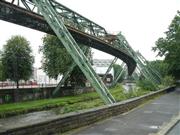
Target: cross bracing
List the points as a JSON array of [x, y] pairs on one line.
[[73, 29], [25, 13]]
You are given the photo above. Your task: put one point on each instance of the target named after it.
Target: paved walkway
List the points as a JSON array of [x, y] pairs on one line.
[[141, 121], [144, 120]]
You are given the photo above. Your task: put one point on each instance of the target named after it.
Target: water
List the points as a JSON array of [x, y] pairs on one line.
[[175, 130]]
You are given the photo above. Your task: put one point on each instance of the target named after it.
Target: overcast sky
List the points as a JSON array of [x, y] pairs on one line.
[[142, 22]]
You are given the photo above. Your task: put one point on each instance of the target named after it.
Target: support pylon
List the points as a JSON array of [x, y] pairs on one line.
[[67, 73], [51, 16], [109, 68]]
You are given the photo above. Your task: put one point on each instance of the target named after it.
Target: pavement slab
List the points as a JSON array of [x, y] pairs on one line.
[[144, 120]]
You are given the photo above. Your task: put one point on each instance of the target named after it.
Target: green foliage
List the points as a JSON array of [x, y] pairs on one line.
[[66, 104], [2, 77], [17, 60], [160, 66], [117, 69], [146, 85], [77, 78], [56, 60], [168, 81], [170, 47]]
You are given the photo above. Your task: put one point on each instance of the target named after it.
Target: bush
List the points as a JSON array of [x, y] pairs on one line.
[[146, 85], [168, 80]]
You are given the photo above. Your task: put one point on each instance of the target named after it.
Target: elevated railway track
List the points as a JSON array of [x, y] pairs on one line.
[[20, 15], [72, 29]]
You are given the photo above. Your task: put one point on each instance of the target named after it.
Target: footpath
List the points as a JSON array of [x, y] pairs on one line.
[[145, 120]]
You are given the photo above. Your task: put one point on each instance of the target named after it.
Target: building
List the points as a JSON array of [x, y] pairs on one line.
[[42, 78], [100, 66]]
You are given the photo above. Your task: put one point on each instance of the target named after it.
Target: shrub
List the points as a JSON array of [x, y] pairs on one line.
[[146, 85], [168, 80]]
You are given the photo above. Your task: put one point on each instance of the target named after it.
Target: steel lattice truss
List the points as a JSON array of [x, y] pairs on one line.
[[51, 15], [142, 64], [68, 16], [62, 19], [83, 30]]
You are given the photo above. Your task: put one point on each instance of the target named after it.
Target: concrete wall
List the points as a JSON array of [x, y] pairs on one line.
[[27, 94], [75, 120]]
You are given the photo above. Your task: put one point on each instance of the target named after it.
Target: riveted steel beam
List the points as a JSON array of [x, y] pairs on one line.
[[18, 14], [67, 73], [141, 63], [51, 16], [117, 77], [109, 68]]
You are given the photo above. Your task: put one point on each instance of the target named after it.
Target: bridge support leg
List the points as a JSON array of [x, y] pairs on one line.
[[153, 71], [116, 78], [50, 14], [140, 65], [66, 74], [109, 68]]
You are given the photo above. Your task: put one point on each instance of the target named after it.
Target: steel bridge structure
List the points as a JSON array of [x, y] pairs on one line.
[[73, 30], [84, 31]]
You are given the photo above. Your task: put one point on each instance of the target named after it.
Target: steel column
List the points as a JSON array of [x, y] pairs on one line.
[[119, 74], [140, 65], [66, 74], [109, 68], [53, 19]]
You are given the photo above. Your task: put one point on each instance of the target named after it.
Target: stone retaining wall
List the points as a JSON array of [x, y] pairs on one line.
[[71, 121], [28, 94]]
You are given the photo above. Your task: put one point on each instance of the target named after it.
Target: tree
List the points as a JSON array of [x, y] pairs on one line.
[[17, 60], [169, 47], [56, 60], [160, 66], [2, 78]]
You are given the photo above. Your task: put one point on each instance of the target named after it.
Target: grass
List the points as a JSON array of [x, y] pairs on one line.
[[66, 104]]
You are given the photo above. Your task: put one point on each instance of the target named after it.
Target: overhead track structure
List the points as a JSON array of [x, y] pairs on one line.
[[119, 74], [72, 29], [148, 65], [85, 49], [83, 30], [109, 68], [50, 13], [142, 64]]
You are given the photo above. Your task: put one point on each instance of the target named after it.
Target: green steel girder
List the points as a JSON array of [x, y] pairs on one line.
[[119, 74], [64, 78], [67, 73], [135, 75], [18, 14], [68, 16], [52, 17], [141, 63], [149, 66], [109, 68], [147, 73]]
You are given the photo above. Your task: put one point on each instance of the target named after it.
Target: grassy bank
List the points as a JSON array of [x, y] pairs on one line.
[[65, 104]]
